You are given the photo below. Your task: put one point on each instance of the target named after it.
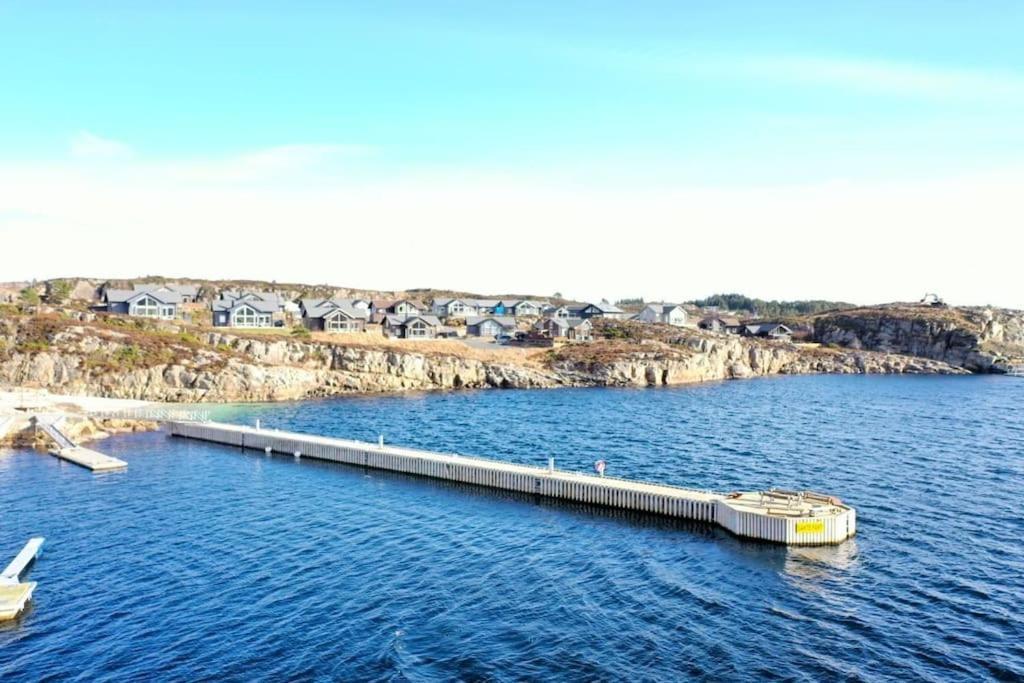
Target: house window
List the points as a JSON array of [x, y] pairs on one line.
[[339, 323], [248, 317], [147, 307]]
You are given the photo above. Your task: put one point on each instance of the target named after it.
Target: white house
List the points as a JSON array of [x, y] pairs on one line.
[[667, 314]]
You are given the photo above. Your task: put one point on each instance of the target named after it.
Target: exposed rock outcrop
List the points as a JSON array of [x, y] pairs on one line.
[[92, 357], [976, 339]]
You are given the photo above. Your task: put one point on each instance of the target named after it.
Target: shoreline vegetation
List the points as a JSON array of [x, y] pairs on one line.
[[65, 347]]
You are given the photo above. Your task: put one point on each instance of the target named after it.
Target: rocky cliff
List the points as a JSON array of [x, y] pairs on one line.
[[976, 339], [69, 356]]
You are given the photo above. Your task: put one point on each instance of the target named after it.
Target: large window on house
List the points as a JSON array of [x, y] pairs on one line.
[[246, 316], [147, 307], [417, 329], [339, 323]]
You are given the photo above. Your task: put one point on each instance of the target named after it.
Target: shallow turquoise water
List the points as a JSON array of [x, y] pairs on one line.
[[204, 562]]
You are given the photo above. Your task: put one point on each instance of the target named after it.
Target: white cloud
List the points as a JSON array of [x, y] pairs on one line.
[[863, 242], [881, 76], [266, 164], [88, 146], [864, 75]]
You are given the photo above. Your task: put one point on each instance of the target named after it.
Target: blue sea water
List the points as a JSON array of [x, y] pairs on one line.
[[202, 562]]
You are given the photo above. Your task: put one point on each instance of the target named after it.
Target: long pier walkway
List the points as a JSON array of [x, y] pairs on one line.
[[789, 517]]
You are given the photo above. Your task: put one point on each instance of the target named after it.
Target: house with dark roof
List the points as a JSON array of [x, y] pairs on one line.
[[720, 323], [666, 314], [602, 310], [490, 326], [414, 327], [402, 308], [161, 303], [188, 293], [570, 329], [246, 309], [334, 315], [453, 308], [776, 331]]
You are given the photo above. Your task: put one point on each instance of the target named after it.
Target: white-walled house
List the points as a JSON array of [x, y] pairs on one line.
[[667, 314], [453, 308]]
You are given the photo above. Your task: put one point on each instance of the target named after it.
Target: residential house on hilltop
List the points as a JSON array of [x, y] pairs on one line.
[[415, 327], [667, 314], [490, 326], [571, 329], [245, 312], [401, 308], [720, 323], [161, 303], [601, 310], [453, 308], [527, 308], [776, 331], [334, 315], [189, 293]]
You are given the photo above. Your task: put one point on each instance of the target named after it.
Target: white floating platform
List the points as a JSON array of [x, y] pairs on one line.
[[13, 571], [14, 596], [792, 518], [89, 459]]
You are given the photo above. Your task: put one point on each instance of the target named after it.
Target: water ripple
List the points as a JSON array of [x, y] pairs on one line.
[[203, 562]]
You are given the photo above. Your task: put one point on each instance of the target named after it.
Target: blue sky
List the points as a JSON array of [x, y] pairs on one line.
[[516, 84], [614, 97]]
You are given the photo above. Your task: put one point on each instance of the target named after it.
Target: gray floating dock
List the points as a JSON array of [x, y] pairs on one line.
[[14, 595], [789, 517], [89, 459]]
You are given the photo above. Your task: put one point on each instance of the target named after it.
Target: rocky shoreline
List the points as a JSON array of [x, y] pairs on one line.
[[214, 367]]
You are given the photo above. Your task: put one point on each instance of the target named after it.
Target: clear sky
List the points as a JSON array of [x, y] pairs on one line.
[[866, 151]]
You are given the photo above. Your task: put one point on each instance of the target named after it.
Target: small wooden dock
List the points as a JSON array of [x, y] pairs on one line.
[[789, 517], [15, 595]]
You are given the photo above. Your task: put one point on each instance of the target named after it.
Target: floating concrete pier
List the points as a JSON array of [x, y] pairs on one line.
[[14, 595], [66, 449], [89, 459], [789, 517]]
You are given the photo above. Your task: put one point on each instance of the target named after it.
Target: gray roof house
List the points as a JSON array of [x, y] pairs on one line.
[[454, 308], [667, 314], [415, 327], [776, 331], [490, 326], [334, 315], [403, 308], [188, 293], [602, 310], [161, 303], [244, 312], [720, 323], [268, 297], [527, 307], [572, 329]]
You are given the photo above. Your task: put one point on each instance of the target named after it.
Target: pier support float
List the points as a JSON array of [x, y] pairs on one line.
[[15, 595], [788, 517]]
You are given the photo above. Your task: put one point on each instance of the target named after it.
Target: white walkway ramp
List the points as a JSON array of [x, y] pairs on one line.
[[14, 595]]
